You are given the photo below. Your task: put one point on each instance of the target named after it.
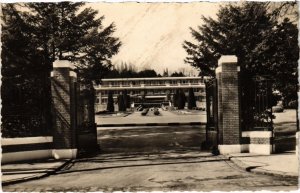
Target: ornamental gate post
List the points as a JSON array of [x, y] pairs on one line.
[[229, 117], [63, 91]]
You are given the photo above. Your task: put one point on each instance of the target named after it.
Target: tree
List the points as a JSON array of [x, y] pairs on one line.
[[67, 31], [36, 34], [166, 73], [175, 98], [237, 30], [112, 74], [126, 99], [191, 99], [177, 74], [181, 100], [128, 74], [25, 77], [110, 102], [121, 103], [264, 45], [147, 73], [283, 54], [280, 10]]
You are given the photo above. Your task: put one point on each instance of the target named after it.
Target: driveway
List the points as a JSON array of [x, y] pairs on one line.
[[185, 170]]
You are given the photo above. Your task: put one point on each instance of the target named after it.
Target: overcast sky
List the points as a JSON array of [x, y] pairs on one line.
[[152, 33]]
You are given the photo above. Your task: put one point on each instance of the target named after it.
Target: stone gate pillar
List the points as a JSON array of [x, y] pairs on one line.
[[64, 127], [229, 125]]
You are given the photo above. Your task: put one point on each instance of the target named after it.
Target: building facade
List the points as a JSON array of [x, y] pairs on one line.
[[155, 91]]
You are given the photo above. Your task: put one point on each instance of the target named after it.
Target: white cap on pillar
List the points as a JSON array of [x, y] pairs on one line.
[[218, 69], [63, 64], [73, 74], [227, 59]]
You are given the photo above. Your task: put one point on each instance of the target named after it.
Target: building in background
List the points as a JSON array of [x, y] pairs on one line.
[[149, 91]]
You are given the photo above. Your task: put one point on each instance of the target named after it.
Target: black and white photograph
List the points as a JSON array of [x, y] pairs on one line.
[[138, 96]]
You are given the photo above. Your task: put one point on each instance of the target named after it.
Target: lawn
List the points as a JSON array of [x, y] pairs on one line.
[[285, 129]]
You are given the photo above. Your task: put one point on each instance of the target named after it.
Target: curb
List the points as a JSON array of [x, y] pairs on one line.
[[150, 124], [37, 176], [256, 170]]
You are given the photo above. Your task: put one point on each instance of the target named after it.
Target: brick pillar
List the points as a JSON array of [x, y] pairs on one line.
[[229, 125], [63, 89]]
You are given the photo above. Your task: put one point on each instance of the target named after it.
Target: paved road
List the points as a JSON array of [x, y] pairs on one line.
[[153, 159], [150, 138], [166, 171]]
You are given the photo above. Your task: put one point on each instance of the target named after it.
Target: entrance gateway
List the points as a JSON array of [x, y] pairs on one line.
[[223, 111]]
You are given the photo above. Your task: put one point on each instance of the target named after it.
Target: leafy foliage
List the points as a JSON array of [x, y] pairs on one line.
[[181, 100], [126, 99], [110, 102], [131, 73], [121, 102], [36, 34], [175, 98], [177, 74], [264, 42], [191, 99]]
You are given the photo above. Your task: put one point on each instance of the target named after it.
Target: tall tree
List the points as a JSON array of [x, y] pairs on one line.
[[121, 103], [110, 102], [126, 99], [181, 100], [147, 73], [25, 77], [191, 99], [177, 74], [36, 34], [66, 30], [175, 98], [264, 44]]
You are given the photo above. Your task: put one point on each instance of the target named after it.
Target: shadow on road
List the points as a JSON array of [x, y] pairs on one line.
[[142, 159]]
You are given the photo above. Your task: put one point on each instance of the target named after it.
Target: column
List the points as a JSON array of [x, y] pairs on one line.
[[63, 85], [227, 74]]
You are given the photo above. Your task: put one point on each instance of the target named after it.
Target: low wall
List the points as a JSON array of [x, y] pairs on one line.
[[26, 148], [259, 142]]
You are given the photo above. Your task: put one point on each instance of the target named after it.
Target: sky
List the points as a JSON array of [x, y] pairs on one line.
[[152, 33]]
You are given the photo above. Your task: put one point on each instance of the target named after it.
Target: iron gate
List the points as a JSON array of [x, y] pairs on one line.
[[212, 114], [256, 103], [256, 107]]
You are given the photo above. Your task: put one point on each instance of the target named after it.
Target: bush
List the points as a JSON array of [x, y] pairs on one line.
[[110, 103], [121, 103], [191, 99], [175, 98], [156, 112], [277, 109], [293, 104], [101, 112], [140, 108], [181, 100], [144, 112]]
